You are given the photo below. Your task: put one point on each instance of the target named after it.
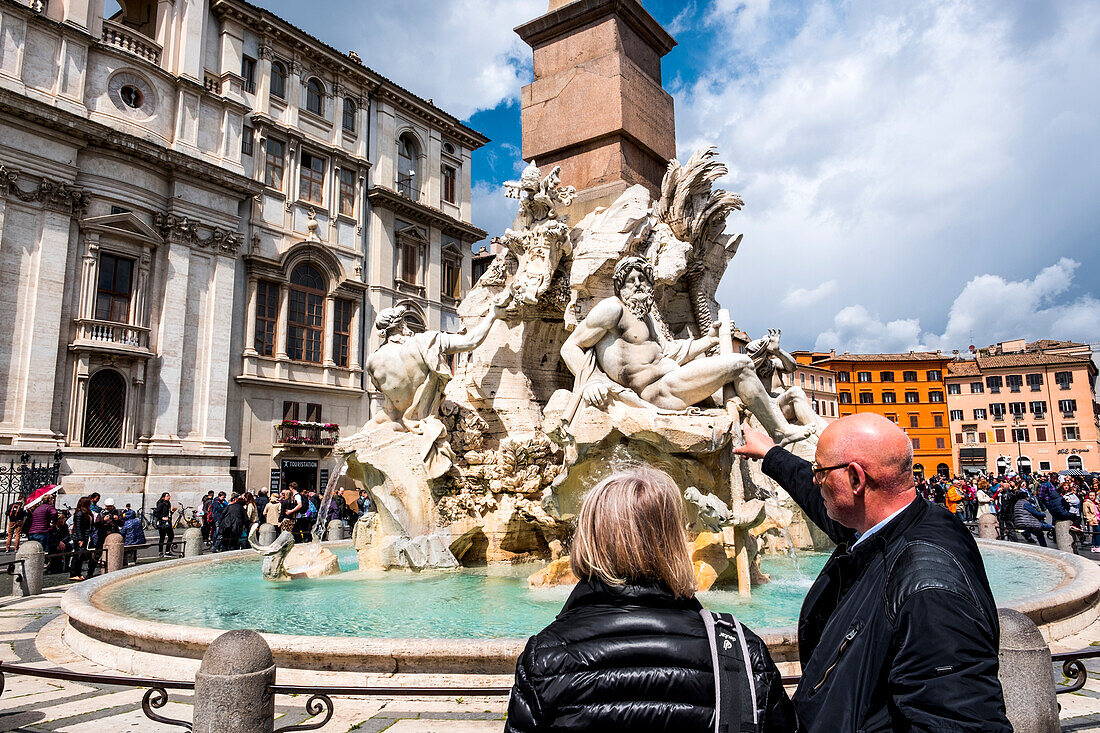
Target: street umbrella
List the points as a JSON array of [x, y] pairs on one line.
[[40, 494], [1074, 472]]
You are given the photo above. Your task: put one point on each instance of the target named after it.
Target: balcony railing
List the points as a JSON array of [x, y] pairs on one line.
[[119, 36], [109, 332], [309, 434], [212, 83]]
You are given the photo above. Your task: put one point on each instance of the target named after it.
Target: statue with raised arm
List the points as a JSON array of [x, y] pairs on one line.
[[619, 350], [411, 371], [771, 363]]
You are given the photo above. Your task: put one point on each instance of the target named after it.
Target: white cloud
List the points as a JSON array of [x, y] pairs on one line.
[[987, 310], [493, 212], [898, 148], [462, 54], [802, 297]]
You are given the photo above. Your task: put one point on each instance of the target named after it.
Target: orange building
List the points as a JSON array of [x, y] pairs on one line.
[[906, 388]]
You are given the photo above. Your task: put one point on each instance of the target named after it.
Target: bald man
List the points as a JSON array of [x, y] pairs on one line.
[[899, 631]]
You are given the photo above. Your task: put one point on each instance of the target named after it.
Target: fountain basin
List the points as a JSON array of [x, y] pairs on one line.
[[467, 621]]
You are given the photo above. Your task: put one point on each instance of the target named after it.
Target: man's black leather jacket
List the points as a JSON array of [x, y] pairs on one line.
[[899, 633]]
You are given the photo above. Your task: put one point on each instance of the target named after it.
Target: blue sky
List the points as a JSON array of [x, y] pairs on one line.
[[916, 174]]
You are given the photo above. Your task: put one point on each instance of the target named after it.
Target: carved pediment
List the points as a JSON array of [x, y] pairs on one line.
[[125, 224]]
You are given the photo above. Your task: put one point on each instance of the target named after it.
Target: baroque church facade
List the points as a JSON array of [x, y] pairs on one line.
[[202, 208]]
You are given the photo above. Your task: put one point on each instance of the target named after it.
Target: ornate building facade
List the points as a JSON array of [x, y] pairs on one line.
[[201, 209]]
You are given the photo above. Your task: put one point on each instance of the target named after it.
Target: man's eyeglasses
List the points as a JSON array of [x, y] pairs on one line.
[[820, 472]]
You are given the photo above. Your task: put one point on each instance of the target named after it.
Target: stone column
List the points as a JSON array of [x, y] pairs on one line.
[[250, 318], [88, 275], [232, 692], [29, 580], [293, 93], [987, 527], [217, 361], [1062, 537], [281, 325], [354, 345], [263, 79], [79, 400], [112, 545], [170, 341], [330, 331], [192, 542], [1026, 675]]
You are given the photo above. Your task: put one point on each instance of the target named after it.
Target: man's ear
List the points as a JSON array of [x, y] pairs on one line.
[[858, 478]]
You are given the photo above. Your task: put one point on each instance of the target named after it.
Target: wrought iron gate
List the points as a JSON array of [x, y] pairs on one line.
[[17, 481]]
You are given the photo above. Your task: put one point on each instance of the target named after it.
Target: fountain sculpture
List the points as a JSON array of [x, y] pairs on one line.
[[591, 347]]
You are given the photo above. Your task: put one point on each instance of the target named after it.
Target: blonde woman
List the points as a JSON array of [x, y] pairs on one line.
[[630, 650]]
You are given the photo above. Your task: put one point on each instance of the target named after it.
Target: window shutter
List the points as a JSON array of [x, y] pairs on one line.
[[981, 437], [958, 438]]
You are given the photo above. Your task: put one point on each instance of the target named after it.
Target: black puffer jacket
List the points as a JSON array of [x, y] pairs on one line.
[[634, 659]]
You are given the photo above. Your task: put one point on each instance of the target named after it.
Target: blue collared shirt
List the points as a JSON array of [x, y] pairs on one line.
[[880, 525]]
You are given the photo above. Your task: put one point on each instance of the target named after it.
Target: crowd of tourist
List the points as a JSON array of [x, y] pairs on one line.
[[1026, 506]]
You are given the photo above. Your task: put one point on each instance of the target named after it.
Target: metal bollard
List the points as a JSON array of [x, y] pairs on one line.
[[268, 533], [192, 542], [232, 692], [987, 527], [1062, 538], [335, 530], [112, 545], [28, 582], [1026, 675]]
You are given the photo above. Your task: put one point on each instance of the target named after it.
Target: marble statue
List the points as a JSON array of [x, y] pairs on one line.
[[541, 237], [618, 350], [410, 370], [715, 516], [275, 554]]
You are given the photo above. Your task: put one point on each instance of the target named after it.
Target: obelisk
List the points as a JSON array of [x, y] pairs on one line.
[[596, 106]]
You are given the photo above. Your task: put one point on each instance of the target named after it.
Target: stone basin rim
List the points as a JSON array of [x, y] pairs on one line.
[[1069, 607]]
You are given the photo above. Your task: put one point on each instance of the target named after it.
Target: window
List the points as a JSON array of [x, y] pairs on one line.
[[273, 164], [104, 410], [290, 410], [886, 376], [450, 184], [956, 414], [940, 443], [997, 409], [935, 396], [1016, 409], [1035, 382], [865, 376], [844, 398], [347, 192], [248, 73], [305, 314], [311, 178], [267, 317], [409, 266], [112, 300], [1019, 435], [315, 94], [313, 412], [994, 384], [1064, 379], [1040, 434], [954, 389], [866, 398], [1038, 408], [407, 161], [1071, 432], [1067, 407], [452, 276], [802, 380], [999, 435], [937, 420], [1014, 382], [908, 376], [830, 382], [246, 140], [976, 388], [916, 443], [912, 397], [350, 110], [934, 375], [889, 398], [1044, 465], [341, 331], [843, 377], [278, 80], [914, 420], [979, 413]]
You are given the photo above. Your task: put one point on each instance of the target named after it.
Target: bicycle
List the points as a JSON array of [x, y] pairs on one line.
[[185, 517]]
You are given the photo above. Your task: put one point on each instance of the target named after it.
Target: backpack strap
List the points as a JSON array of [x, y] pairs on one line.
[[734, 690]]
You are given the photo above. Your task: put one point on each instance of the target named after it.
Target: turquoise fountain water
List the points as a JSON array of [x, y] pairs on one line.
[[470, 603]]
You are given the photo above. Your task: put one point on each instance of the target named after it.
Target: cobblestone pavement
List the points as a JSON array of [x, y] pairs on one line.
[[30, 634]]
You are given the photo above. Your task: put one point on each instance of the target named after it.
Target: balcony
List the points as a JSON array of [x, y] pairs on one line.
[[120, 338], [212, 83], [132, 42], [306, 434]]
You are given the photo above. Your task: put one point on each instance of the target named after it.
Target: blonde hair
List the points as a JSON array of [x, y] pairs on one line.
[[631, 528]]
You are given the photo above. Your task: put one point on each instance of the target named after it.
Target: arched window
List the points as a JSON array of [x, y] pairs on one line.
[[1003, 465], [1075, 462], [278, 80], [305, 316], [415, 321], [408, 153], [349, 114], [104, 410], [1023, 465], [315, 95], [918, 470], [944, 470]]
